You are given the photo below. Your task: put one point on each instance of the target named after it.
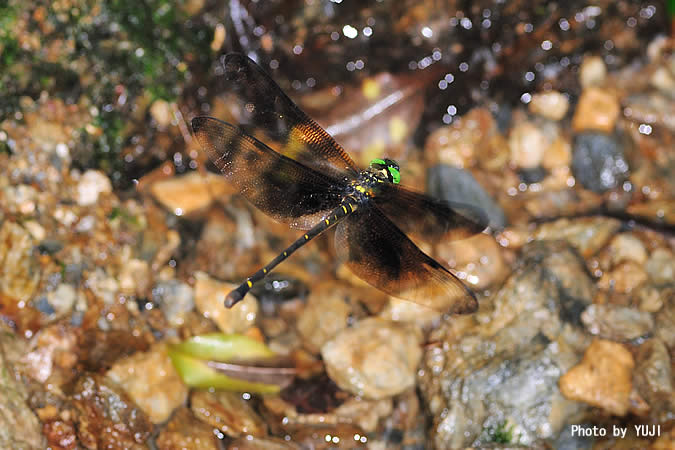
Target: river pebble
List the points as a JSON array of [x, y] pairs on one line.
[[551, 105], [227, 412], [661, 266], [151, 380], [327, 312], [597, 110], [92, 184], [593, 71], [587, 382], [527, 145], [185, 432], [598, 162], [617, 323], [210, 300], [374, 358]]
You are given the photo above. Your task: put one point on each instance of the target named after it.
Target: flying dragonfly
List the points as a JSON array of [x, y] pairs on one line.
[[290, 168]]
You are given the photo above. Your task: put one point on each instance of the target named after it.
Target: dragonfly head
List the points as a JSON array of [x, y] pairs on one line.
[[387, 168]]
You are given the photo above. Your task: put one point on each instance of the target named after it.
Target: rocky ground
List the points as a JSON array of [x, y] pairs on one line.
[[113, 248]]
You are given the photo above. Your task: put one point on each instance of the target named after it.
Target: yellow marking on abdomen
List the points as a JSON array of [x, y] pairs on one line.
[[249, 283], [327, 222], [306, 237], [344, 209]]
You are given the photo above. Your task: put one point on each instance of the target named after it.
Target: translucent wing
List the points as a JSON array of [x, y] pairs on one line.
[[428, 218], [378, 252], [270, 116], [282, 188]]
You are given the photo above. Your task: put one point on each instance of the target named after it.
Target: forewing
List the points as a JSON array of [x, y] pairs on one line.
[[382, 255], [428, 218], [280, 187], [270, 116]]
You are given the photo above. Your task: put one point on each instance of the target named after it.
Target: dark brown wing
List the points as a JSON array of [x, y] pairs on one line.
[[382, 255], [428, 218], [270, 116], [280, 187]]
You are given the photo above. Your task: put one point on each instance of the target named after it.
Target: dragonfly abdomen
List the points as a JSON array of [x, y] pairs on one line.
[[348, 206]]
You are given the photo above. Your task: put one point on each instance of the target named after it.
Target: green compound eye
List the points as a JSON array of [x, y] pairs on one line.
[[395, 174], [390, 165]]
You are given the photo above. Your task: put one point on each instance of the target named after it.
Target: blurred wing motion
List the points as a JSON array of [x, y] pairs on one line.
[[426, 217], [379, 253], [270, 116], [280, 187]]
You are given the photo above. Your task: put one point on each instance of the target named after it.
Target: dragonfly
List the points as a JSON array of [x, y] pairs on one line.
[[290, 168]]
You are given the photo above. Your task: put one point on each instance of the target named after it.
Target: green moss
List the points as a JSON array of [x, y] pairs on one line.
[[502, 434]]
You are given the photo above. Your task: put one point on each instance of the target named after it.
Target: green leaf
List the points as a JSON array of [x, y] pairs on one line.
[[191, 359]]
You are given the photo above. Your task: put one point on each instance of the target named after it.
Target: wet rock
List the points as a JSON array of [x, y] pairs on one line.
[[661, 266], [340, 436], [598, 162], [482, 392], [665, 323], [185, 432], [135, 277], [534, 175], [253, 443], [527, 144], [597, 110], [654, 378], [103, 286], [587, 235], [592, 71], [624, 278], [364, 413], [374, 359], [570, 439], [19, 427], [107, 416], [327, 312], [617, 323], [399, 310], [477, 260], [62, 300], [227, 412], [37, 232], [626, 247], [210, 299], [456, 145], [19, 270], [21, 199], [558, 155], [551, 105], [661, 212], [151, 381], [190, 193], [53, 348], [651, 298], [650, 108], [484, 371], [546, 269], [663, 80], [452, 184], [92, 184], [587, 382], [175, 300]]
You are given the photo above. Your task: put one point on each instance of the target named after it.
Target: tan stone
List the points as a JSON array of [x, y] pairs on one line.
[[598, 110], [603, 378]]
